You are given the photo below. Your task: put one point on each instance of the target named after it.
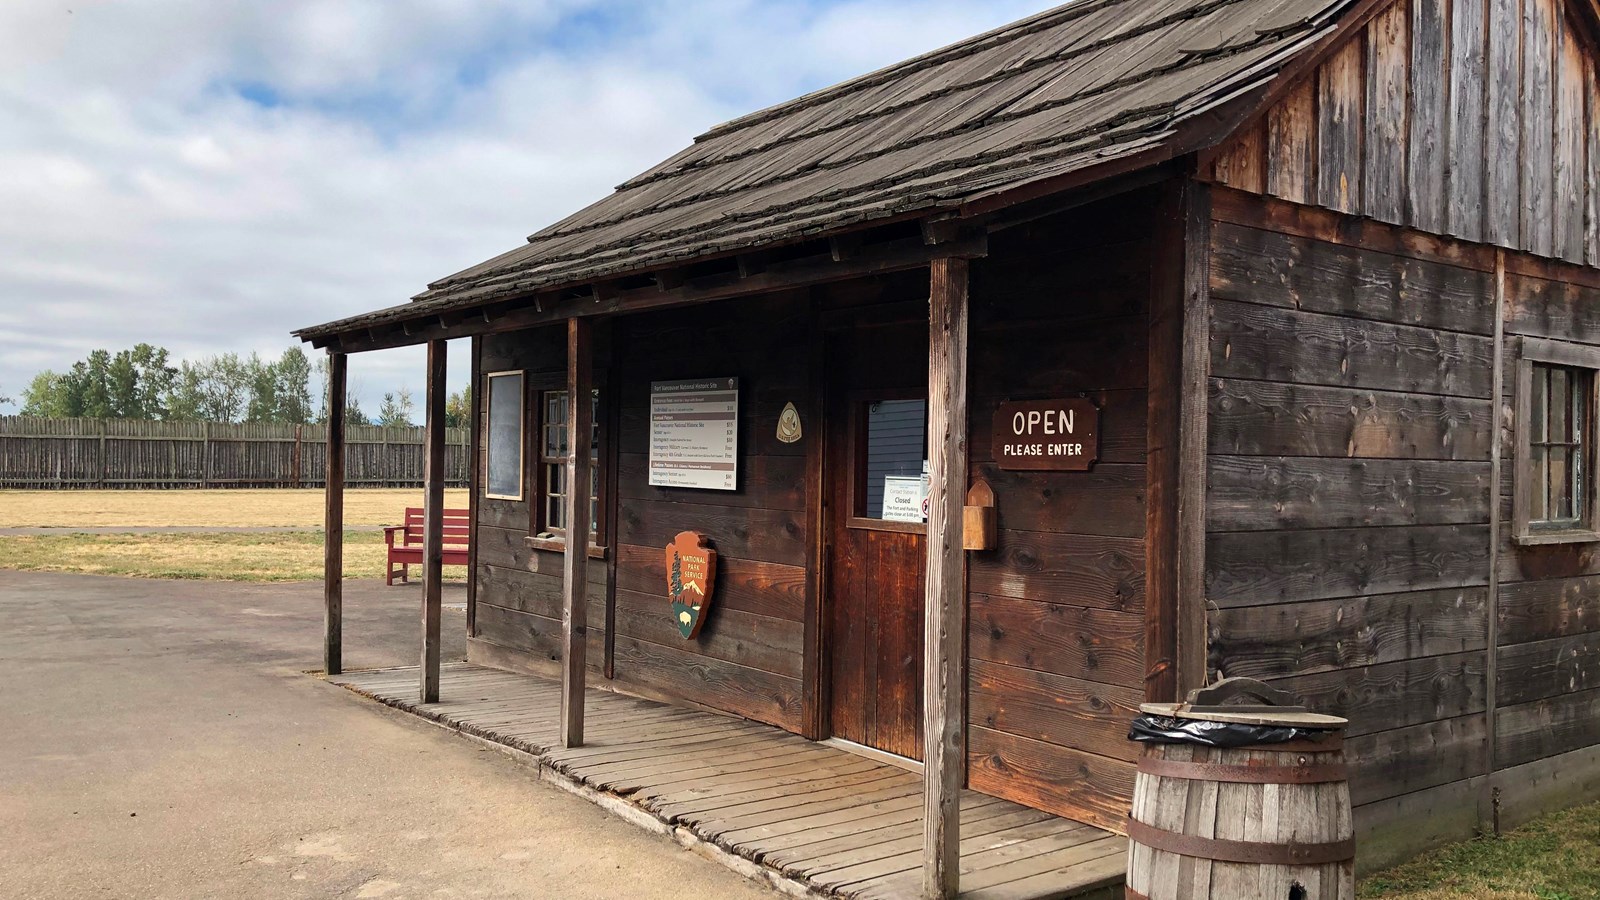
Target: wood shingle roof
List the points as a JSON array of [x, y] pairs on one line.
[[1079, 86]]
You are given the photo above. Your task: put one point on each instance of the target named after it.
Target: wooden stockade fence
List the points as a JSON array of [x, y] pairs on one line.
[[128, 454]]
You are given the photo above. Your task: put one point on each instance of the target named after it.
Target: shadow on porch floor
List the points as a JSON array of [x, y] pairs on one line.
[[825, 819]]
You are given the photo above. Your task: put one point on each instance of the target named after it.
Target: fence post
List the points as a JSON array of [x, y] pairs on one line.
[[205, 458], [295, 463], [101, 483]]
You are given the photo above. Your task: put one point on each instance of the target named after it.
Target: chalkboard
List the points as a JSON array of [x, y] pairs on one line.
[[504, 437]]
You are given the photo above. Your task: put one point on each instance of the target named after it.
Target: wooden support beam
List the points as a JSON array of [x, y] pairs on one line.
[[845, 246], [575, 568], [515, 314], [944, 664], [433, 474], [1179, 373], [333, 521], [478, 396]]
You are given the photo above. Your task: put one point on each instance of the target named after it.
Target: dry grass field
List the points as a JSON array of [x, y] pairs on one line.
[[273, 556], [230, 509]]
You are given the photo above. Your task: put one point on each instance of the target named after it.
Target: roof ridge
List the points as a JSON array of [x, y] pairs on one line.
[[958, 50]]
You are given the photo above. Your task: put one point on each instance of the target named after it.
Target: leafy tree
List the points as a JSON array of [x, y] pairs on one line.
[[352, 411], [294, 387], [261, 380], [92, 381], [458, 409], [396, 409], [50, 396]]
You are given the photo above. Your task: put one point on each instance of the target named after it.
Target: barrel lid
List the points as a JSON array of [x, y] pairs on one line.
[[1285, 718]]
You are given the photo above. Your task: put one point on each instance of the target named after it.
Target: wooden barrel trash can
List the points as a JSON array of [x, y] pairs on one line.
[[1241, 802]]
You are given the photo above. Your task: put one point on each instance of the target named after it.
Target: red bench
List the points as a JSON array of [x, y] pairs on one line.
[[457, 528]]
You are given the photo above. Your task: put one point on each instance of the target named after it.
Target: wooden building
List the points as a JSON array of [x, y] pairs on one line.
[[1321, 276]]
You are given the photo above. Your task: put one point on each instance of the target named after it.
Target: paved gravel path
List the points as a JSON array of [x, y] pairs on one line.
[[160, 739]]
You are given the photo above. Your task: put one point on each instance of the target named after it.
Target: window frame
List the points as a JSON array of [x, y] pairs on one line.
[[488, 426], [1525, 530], [860, 403], [540, 535]]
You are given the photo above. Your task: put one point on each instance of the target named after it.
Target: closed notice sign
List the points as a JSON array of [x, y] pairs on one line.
[[1047, 435]]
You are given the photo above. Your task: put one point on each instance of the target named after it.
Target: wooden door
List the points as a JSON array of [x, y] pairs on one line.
[[876, 456]]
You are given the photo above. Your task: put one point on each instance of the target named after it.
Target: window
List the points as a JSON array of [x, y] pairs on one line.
[[1554, 475], [553, 465], [503, 441], [891, 464]]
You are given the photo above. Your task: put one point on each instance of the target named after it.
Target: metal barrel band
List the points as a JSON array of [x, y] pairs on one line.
[[1237, 774], [1248, 852]]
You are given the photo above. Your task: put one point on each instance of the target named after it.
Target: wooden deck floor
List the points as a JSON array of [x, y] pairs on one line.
[[835, 822]]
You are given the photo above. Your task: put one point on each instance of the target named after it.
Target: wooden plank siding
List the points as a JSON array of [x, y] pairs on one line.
[[1349, 485], [1056, 619], [1351, 496], [1460, 117]]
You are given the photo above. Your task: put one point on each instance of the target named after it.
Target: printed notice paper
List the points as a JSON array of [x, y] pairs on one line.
[[694, 434]]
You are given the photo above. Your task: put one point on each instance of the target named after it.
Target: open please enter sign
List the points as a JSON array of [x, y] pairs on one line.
[[1047, 435]]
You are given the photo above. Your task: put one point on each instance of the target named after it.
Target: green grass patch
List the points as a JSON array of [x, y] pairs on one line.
[[285, 556], [1556, 857]]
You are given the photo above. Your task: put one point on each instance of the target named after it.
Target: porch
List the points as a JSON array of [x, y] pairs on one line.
[[817, 819]]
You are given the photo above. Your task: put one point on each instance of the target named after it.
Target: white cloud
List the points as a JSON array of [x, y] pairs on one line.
[[383, 144]]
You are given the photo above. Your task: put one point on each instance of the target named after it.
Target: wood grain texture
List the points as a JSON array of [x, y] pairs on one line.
[[1544, 669], [1268, 567], [1547, 308], [944, 667], [1554, 608], [1260, 265], [1272, 344], [1389, 763], [760, 588], [1571, 135], [575, 561], [1465, 142], [1391, 129], [751, 693], [1341, 97], [333, 520], [1261, 493], [1429, 68], [1503, 211], [1309, 636], [1549, 727], [1086, 787], [1395, 695], [1092, 644], [1537, 114], [1292, 139], [433, 521], [1077, 570], [1256, 418], [1055, 709]]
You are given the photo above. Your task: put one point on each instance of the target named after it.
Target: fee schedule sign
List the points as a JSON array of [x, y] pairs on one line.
[[694, 434]]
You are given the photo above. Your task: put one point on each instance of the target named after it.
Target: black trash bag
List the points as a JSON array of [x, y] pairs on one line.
[[1227, 735]]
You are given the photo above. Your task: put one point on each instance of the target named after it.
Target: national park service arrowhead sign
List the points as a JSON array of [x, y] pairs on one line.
[[691, 576]]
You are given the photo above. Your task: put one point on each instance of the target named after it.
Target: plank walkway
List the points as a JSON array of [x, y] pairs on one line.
[[837, 823]]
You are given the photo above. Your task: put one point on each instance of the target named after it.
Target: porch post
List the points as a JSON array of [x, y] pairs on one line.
[[433, 473], [333, 522], [944, 666], [575, 572]]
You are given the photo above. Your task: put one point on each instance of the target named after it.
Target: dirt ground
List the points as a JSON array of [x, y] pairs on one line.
[[161, 740], [224, 509]]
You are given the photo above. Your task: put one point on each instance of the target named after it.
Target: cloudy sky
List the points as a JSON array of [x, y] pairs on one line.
[[207, 175]]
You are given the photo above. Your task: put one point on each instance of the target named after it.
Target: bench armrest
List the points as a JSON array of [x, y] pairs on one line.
[[389, 531]]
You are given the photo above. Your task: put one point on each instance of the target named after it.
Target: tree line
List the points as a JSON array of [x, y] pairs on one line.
[[144, 383]]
